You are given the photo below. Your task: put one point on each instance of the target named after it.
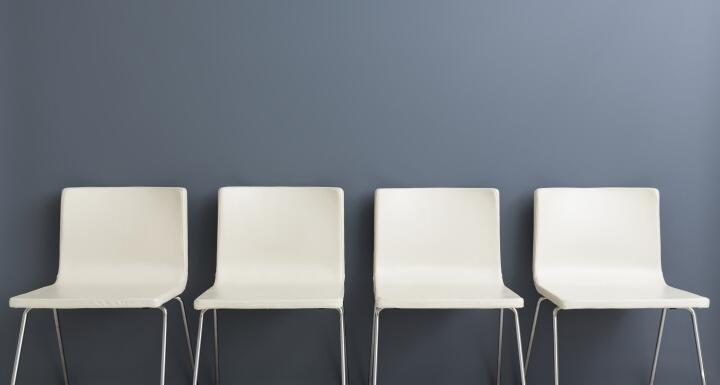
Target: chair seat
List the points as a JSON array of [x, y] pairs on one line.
[[621, 296], [446, 296], [265, 296], [97, 295]]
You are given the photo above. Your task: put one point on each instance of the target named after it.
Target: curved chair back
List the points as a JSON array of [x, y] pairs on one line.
[[123, 235], [597, 235], [427, 235], [280, 235]]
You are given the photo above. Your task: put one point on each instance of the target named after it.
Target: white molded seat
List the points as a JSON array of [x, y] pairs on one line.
[[270, 296], [439, 248], [622, 296], [448, 296], [61, 295], [120, 247], [600, 248], [278, 247]]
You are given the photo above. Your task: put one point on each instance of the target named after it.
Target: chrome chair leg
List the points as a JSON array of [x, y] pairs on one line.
[[532, 332], [519, 345], [60, 346], [197, 346], [215, 347], [500, 338], [343, 359], [376, 332], [374, 352], [187, 330], [164, 345], [372, 349], [21, 335], [657, 345], [696, 332], [555, 346]]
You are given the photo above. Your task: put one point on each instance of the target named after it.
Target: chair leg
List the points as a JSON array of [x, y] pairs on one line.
[[500, 338], [343, 359], [215, 347], [60, 346], [519, 345], [657, 346], [532, 333], [187, 330], [555, 346], [696, 332], [164, 345], [21, 335], [374, 349], [197, 346]]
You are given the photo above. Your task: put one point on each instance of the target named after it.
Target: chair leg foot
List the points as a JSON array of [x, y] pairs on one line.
[[61, 348], [555, 346], [500, 338], [532, 333], [696, 333], [187, 330], [519, 345], [657, 346], [343, 358], [21, 335], [197, 347]]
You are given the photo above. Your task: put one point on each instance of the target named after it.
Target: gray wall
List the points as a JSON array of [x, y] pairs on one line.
[[361, 94], [5, 106]]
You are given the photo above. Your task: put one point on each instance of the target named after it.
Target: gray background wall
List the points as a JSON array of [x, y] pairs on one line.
[[363, 94]]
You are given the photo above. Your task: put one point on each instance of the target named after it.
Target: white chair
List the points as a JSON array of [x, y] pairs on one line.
[[599, 248], [439, 248], [120, 247], [278, 248]]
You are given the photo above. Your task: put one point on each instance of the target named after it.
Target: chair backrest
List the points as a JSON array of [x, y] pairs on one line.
[[434, 235], [280, 236], [597, 235], [123, 235]]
